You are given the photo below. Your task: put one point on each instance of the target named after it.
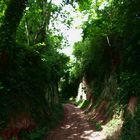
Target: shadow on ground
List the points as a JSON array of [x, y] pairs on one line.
[[75, 126]]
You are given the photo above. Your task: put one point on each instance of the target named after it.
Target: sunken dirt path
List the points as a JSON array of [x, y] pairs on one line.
[[74, 126]]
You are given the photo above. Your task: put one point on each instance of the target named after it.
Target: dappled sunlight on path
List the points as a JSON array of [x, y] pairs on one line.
[[74, 127]]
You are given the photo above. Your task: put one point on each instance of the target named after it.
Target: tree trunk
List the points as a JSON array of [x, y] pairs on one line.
[[12, 17]]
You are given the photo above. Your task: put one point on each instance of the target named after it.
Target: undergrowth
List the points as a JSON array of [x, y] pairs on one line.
[[40, 132], [96, 124], [130, 129]]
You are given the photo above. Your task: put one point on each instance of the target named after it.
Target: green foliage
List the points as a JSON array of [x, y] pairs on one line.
[[25, 87], [106, 46], [129, 85], [96, 124], [84, 104], [34, 135], [31, 67], [84, 5], [130, 129], [70, 81], [34, 26], [29, 73], [55, 117], [2, 10], [110, 46]]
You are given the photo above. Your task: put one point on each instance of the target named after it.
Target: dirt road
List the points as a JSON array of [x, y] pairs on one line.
[[74, 127]]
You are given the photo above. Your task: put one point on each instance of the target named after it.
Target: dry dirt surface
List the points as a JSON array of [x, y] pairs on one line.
[[74, 127]]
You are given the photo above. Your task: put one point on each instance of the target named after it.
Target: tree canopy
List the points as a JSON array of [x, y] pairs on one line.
[[35, 75]]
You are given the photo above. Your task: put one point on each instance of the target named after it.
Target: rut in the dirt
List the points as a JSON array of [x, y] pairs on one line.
[[75, 127]]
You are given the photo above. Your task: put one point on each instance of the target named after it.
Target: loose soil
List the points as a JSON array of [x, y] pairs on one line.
[[75, 126]]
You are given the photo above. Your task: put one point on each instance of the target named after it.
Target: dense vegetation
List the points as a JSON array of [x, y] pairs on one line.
[[32, 69], [108, 57]]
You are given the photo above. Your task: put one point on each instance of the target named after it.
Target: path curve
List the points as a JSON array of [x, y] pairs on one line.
[[74, 127]]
